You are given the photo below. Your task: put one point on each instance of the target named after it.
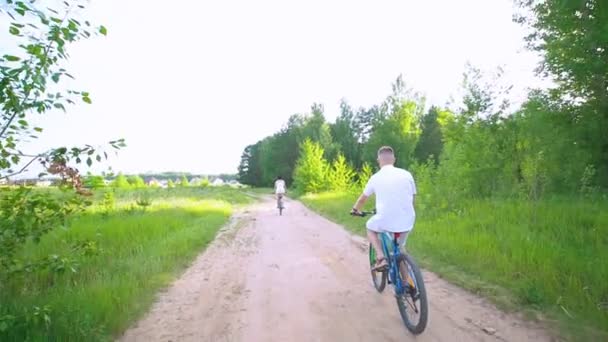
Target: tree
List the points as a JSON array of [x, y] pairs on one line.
[[31, 74], [94, 182], [170, 184], [250, 172], [120, 182], [364, 175], [430, 143], [341, 175], [41, 37], [136, 182], [572, 37], [311, 170], [398, 130], [184, 182], [346, 134], [316, 128]]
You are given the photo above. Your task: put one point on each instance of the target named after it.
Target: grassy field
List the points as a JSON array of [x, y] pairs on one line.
[[140, 252], [550, 255]]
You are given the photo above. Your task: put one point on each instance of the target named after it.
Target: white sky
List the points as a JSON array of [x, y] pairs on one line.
[[189, 84]]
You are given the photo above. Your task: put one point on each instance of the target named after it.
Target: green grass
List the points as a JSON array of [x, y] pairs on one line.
[[141, 252], [550, 256]]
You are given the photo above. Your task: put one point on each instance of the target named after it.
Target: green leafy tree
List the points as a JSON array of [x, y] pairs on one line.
[[170, 184], [430, 143], [364, 175], [94, 182], [120, 182], [32, 71], [204, 182], [136, 182], [398, 130], [572, 37], [311, 169], [316, 128], [32, 64], [347, 135], [184, 182], [341, 175]]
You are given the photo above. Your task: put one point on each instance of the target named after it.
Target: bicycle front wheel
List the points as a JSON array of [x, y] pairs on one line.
[[413, 304], [378, 278]]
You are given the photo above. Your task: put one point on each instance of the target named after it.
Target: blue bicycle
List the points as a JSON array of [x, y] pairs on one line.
[[410, 293]]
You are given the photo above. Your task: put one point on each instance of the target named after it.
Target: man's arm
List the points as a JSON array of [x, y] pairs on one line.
[[360, 203], [368, 191]]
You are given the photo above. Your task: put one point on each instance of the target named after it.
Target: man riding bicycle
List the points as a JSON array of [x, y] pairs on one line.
[[395, 191], [279, 189]]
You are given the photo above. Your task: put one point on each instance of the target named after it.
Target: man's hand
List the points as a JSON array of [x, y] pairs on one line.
[[359, 204]]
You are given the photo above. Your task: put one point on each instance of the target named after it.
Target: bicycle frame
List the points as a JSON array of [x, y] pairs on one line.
[[393, 272]]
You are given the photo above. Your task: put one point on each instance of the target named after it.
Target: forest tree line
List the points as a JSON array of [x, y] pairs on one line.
[[556, 142]]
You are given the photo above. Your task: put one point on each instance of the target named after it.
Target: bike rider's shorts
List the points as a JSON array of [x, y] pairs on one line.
[[402, 239]]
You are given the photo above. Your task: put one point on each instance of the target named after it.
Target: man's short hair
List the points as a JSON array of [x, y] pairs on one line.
[[385, 149]]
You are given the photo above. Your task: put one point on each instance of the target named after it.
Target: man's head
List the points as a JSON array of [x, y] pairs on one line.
[[279, 178], [386, 156]]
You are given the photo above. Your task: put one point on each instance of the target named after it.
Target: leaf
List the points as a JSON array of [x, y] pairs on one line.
[[55, 77], [11, 58], [38, 129], [103, 30], [14, 31], [98, 158], [59, 106], [89, 161], [22, 122], [87, 99]]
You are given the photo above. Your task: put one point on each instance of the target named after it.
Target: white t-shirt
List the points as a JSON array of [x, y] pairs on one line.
[[395, 189], [279, 186]]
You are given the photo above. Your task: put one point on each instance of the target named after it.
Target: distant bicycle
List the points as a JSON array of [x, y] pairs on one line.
[[410, 293], [280, 204]]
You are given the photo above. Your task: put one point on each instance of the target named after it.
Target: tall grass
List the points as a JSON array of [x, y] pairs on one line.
[[141, 252], [551, 255]]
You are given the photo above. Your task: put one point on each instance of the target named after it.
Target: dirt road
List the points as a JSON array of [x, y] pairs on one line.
[[300, 277]]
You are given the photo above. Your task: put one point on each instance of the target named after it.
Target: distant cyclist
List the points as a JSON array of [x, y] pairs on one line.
[[395, 191], [279, 189]]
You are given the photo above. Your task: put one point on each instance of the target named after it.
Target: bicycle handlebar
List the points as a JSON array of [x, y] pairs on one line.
[[364, 213]]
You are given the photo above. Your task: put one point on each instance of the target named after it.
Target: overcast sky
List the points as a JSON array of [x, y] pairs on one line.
[[189, 84]]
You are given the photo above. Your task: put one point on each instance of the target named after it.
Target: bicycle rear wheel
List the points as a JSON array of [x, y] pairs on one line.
[[280, 205], [378, 278], [413, 304]]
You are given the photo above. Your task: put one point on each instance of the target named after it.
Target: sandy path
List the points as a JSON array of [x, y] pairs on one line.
[[300, 277]]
